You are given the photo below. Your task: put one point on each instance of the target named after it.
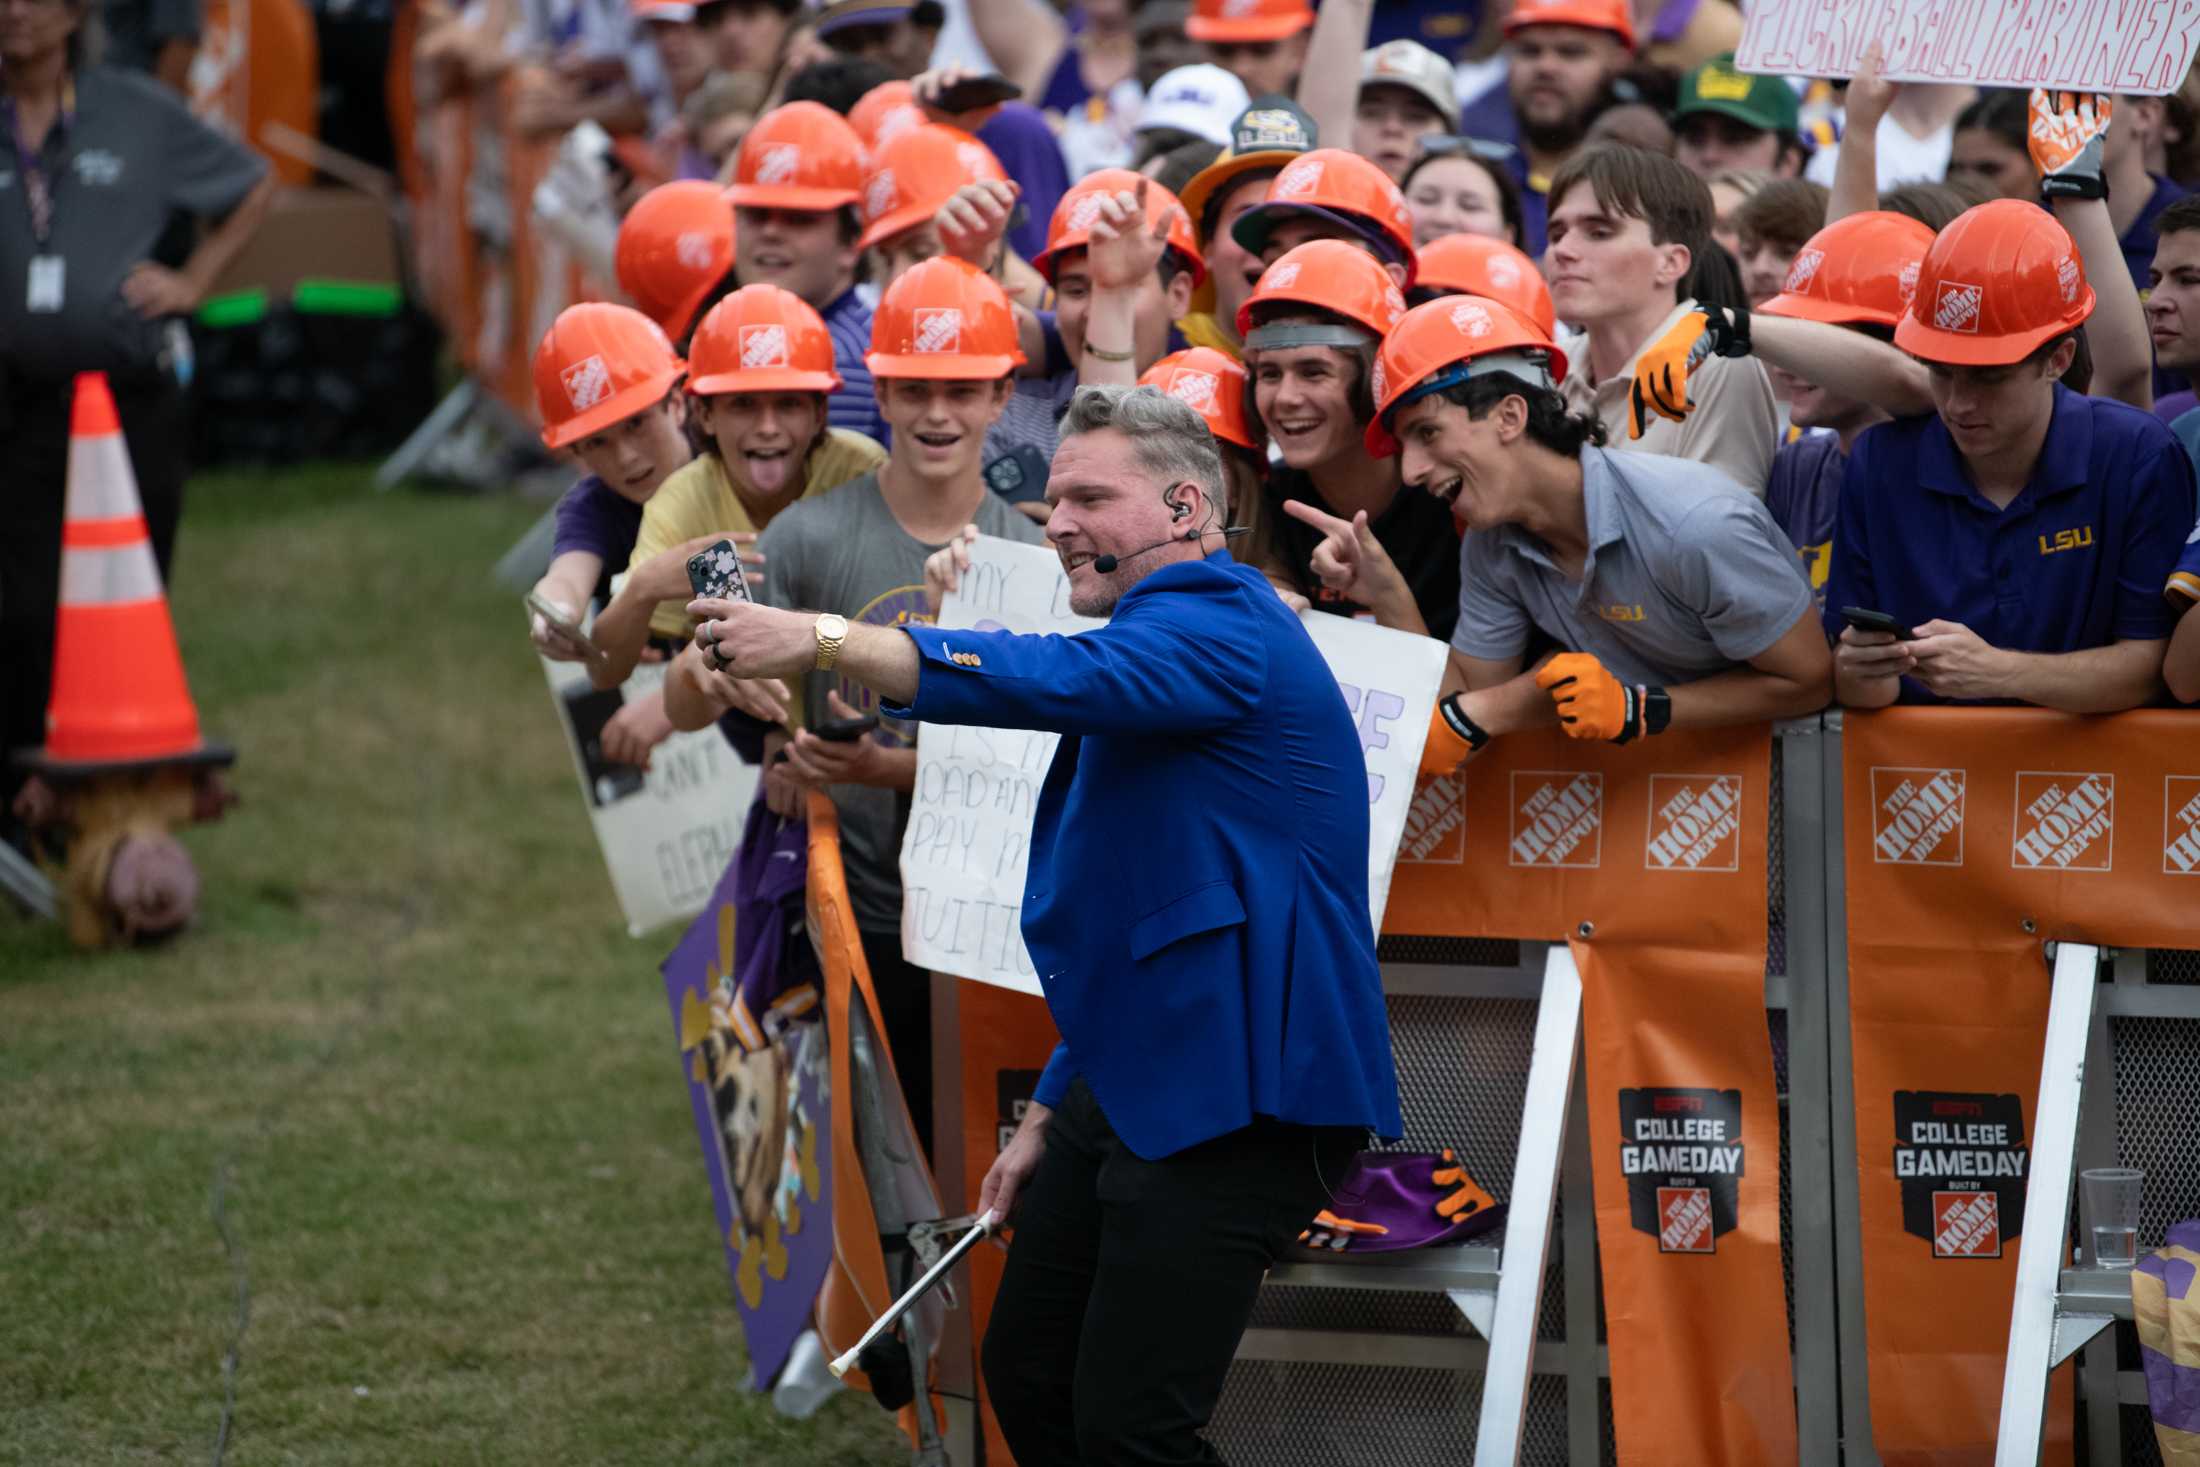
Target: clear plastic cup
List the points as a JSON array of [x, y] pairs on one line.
[[2111, 1198]]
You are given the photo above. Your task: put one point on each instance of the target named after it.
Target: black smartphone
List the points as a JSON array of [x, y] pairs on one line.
[[830, 729], [1864, 619], [715, 571], [973, 92]]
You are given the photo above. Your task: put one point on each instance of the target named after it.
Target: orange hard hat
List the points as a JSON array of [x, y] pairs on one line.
[[1477, 264], [1340, 187], [884, 113], [1616, 16], [1332, 276], [1071, 226], [762, 339], [675, 245], [1860, 269], [944, 320], [1447, 341], [2000, 281], [1247, 20], [916, 172], [800, 156], [599, 363], [1210, 383]]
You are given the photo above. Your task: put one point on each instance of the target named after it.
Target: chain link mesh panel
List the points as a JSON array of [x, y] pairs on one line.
[[1277, 1413], [1456, 952]]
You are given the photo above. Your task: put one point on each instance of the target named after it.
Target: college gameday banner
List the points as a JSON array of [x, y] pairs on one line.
[[1973, 836], [1650, 860]]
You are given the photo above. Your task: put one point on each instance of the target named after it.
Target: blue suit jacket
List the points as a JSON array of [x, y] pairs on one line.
[[1196, 903]]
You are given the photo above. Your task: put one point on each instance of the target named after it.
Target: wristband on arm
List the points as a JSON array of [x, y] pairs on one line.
[[1453, 738]]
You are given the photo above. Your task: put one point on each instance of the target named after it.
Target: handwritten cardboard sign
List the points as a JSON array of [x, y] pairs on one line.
[[668, 834], [963, 859], [2138, 46]]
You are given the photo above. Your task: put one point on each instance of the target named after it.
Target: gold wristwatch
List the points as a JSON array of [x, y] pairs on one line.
[[832, 630]]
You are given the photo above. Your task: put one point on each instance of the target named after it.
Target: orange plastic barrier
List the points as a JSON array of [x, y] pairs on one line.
[[491, 278], [259, 61], [1972, 837], [1650, 862]]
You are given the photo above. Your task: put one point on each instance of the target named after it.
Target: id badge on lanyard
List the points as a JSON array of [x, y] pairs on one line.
[[45, 282]]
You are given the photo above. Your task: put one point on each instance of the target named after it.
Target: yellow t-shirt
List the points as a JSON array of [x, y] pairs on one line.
[[699, 500]]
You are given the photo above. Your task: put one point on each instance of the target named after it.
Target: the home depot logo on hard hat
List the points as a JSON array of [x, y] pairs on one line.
[[1083, 212], [1299, 179], [1235, 8], [1805, 270], [1195, 389], [1472, 318], [878, 196], [1957, 308], [587, 382], [1557, 818], [1283, 276], [2066, 822], [1906, 282], [897, 121], [1503, 273], [1377, 380], [779, 164], [1695, 823], [2066, 276], [763, 346], [692, 249], [939, 329], [1917, 816]]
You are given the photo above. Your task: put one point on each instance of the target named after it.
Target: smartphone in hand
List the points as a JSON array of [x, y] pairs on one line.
[[715, 571], [1864, 619]]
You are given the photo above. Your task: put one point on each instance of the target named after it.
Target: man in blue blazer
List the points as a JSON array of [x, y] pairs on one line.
[[1196, 907]]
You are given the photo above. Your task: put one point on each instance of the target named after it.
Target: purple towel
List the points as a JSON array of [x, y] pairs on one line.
[[1389, 1201], [770, 954]]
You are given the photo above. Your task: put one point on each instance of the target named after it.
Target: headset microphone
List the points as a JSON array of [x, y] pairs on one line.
[[1105, 564]]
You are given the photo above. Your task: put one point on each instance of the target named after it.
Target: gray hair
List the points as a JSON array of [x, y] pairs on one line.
[[1169, 439]]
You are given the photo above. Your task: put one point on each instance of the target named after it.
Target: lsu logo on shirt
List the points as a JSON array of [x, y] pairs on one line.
[[2077, 539], [1620, 611]]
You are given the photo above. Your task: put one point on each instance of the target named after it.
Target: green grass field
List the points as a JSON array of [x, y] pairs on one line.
[[409, 1048]]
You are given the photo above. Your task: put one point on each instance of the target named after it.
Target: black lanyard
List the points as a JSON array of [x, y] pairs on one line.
[[37, 188]]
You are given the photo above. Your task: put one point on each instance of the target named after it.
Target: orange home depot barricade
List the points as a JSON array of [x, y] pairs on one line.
[[1650, 861], [881, 1171], [1973, 836]]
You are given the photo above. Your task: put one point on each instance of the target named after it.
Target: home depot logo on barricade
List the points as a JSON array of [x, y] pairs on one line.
[[2180, 825], [1557, 818], [1960, 1160], [1681, 1152], [1436, 823], [1695, 823], [1917, 816], [2066, 821]]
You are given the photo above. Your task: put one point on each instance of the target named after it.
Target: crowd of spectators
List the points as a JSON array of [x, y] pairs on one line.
[[1665, 394]]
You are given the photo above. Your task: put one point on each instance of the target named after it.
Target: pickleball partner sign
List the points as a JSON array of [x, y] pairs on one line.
[[2128, 46]]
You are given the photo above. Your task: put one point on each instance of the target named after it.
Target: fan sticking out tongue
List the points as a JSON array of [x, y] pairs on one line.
[[768, 471]]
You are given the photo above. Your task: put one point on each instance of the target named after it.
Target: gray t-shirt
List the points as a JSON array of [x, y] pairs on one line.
[[132, 154], [1686, 576], [844, 551]]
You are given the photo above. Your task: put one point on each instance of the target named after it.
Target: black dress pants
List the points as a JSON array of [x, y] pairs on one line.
[[34, 474], [1130, 1281]]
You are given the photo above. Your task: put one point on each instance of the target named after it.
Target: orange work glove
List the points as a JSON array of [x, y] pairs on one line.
[[2066, 136], [1592, 704], [1453, 738], [1662, 367]]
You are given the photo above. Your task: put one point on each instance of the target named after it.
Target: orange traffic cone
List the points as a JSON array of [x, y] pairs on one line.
[[119, 696]]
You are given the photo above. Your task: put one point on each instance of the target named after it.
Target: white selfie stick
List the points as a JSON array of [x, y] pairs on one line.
[[932, 1275]]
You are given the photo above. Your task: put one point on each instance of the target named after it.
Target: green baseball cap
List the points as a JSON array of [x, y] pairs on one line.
[[1766, 102]]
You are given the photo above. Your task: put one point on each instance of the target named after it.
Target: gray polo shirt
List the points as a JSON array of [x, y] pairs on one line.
[[1686, 576], [132, 154]]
